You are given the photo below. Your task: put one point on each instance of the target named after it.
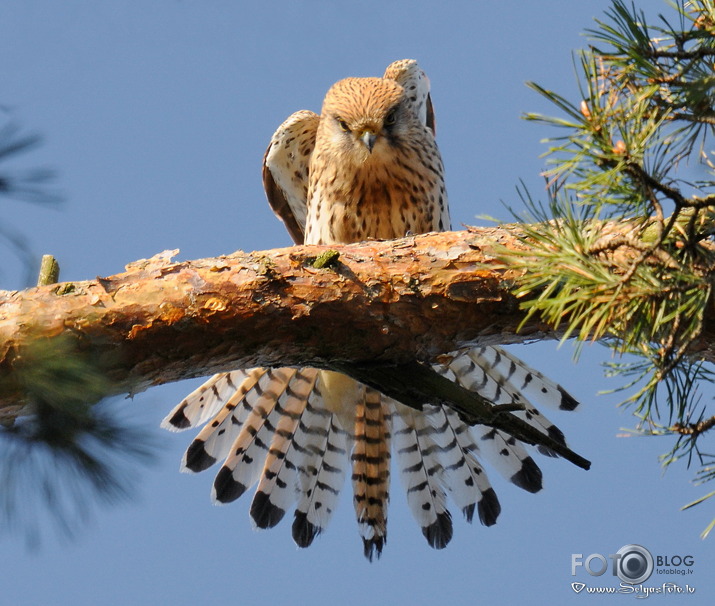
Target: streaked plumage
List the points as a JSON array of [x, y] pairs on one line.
[[367, 167]]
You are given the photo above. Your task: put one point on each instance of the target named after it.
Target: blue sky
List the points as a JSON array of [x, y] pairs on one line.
[[156, 116]]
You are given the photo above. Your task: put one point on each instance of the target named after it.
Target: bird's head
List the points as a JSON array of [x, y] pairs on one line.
[[364, 118]]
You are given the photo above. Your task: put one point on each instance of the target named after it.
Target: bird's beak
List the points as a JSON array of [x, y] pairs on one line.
[[368, 138]]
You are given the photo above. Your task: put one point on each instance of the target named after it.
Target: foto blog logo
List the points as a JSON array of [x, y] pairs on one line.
[[632, 564]]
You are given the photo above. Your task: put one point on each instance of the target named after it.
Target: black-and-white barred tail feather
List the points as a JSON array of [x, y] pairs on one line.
[[273, 429]]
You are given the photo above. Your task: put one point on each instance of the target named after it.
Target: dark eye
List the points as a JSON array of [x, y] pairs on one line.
[[391, 118], [343, 124]]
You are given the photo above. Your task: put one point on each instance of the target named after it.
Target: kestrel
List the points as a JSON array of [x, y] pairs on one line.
[[367, 167]]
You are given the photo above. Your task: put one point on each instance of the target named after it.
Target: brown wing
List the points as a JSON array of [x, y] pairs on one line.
[[286, 165], [431, 122]]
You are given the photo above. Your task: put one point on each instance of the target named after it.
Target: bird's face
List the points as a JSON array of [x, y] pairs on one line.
[[363, 119]]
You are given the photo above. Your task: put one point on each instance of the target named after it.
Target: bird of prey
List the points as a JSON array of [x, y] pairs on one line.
[[366, 167]]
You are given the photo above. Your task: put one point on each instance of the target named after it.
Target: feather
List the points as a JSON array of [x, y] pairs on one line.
[[371, 471], [465, 477], [277, 489], [524, 379], [214, 441], [502, 379], [243, 464], [322, 445], [204, 402], [507, 454], [285, 170], [524, 385], [408, 74], [422, 473]]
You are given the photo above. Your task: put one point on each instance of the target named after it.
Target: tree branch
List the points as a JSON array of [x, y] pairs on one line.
[[694, 429], [416, 384], [375, 302]]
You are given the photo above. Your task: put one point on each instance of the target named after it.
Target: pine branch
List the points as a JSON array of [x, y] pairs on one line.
[[693, 429], [641, 127]]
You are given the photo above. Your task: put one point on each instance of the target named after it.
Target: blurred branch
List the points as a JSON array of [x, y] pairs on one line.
[[69, 448], [28, 185]]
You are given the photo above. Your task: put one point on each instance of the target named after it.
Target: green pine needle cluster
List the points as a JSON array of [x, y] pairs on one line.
[[70, 449], [623, 252]]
